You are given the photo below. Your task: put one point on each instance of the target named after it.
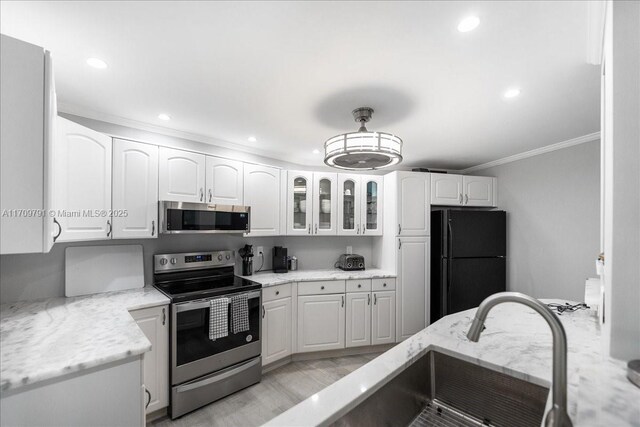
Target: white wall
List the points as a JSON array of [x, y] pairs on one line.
[[34, 276], [553, 220]]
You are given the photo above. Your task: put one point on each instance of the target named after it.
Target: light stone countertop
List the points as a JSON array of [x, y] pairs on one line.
[[269, 278], [517, 342], [46, 339]]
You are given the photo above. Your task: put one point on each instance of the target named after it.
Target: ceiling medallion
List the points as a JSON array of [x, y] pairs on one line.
[[363, 149]]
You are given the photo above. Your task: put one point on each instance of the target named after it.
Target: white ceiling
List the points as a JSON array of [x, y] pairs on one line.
[[291, 72]]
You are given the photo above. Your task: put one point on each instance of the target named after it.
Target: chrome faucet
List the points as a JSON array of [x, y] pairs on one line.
[[557, 416]]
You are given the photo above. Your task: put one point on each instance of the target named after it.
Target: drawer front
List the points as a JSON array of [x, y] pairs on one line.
[[321, 287], [276, 292], [388, 284], [363, 285]]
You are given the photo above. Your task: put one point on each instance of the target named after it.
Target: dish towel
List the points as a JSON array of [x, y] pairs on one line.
[[219, 318], [239, 313]]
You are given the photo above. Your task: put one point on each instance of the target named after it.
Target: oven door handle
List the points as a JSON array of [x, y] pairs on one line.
[[195, 305], [219, 377]]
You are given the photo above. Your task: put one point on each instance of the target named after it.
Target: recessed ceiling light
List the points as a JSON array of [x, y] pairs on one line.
[[468, 24], [512, 93], [316, 151], [164, 117], [252, 139], [97, 63]]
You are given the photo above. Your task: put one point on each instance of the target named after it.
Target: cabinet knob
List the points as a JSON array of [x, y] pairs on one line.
[[277, 292], [321, 288], [384, 285], [359, 286]]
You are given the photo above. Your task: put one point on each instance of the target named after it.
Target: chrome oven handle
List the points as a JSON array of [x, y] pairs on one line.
[[204, 303]]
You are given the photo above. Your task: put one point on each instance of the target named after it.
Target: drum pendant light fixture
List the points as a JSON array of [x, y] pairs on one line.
[[363, 149]]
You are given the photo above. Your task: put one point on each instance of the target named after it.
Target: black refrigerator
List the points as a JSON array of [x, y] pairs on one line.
[[468, 250]]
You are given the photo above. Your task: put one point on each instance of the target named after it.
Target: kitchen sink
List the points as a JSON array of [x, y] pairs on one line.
[[441, 390]]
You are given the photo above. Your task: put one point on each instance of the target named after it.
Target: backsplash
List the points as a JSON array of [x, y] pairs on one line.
[[33, 276]]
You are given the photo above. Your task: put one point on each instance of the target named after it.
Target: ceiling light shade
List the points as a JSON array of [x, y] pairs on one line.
[[468, 24], [512, 93], [363, 149], [97, 63]]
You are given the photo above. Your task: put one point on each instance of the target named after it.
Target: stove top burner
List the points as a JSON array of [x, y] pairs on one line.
[[207, 283]]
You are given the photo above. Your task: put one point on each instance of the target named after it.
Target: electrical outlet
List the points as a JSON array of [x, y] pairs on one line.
[[349, 250], [260, 250]]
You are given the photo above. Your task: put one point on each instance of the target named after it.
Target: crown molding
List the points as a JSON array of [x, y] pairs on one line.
[[542, 150], [134, 124]]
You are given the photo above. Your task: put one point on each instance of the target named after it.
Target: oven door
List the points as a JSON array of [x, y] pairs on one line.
[[193, 354]]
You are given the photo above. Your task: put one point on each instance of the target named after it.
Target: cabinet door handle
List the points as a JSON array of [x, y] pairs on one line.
[[460, 198], [368, 299], [210, 196], [399, 229], [309, 232], [263, 311], [149, 400], [316, 228], [357, 228], [153, 228], [164, 316], [364, 228], [55, 221], [343, 300], [201, 194], [375, 299], [466, 199], [399, 243], [108, 228]]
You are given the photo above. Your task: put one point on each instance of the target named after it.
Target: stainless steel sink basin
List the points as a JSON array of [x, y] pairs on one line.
[[440, 390]]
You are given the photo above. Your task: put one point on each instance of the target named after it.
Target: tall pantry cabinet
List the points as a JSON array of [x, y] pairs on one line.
[[405, 247]]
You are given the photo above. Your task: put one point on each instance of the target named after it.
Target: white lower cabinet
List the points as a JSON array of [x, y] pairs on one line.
[[276, 330], [358, 319], [321, 322], [154, 322], [383, 318]]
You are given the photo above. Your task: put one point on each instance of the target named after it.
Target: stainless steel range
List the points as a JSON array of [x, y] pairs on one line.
[[205, 369]]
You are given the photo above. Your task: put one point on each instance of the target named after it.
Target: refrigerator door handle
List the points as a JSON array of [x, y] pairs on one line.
[[449, 240]]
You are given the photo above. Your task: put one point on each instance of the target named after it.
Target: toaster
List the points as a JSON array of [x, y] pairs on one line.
[[350, 262]]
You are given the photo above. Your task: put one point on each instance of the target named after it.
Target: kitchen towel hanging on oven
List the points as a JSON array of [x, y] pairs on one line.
[[239, 313], [219, 318]]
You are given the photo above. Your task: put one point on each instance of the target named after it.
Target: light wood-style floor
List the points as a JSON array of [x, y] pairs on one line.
[[278, 391]]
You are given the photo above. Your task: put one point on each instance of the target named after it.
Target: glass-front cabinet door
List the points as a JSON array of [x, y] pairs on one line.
[[299, 203], [325, 203], [371, 206], [349, 204]]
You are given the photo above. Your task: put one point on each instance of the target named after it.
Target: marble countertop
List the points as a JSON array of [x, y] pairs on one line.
[[517, 342], [269, 278], [45, 339]]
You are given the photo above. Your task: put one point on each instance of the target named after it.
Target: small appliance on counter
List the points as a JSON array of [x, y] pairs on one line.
[[350, 262], [279, 260], [292, 262], [246, 253]]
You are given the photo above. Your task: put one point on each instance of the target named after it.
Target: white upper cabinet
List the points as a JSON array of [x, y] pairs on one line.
[[325, 203], [135, 190], [262, 194], [371, 205], [479, 190], [82, 182], [225, 181], [299, 203], [181, 176], [349, 200], [27, 116], [463, 190], [414, 215], [446, 189]]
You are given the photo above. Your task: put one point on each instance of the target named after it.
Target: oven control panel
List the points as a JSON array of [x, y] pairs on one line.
[[192, 260]]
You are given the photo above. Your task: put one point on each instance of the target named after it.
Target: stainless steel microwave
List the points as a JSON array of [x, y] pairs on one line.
[[182, 217]]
